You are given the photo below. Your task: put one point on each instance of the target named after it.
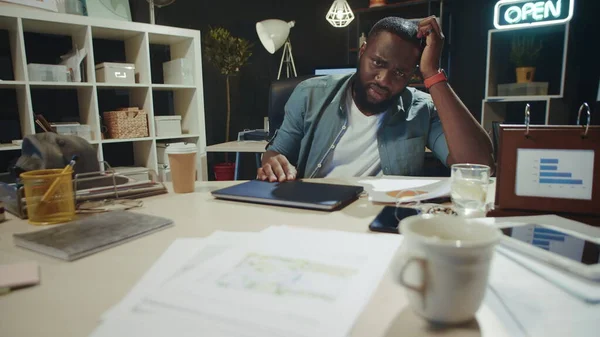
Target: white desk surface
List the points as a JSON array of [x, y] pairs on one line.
[[239, 146], [73, 295]]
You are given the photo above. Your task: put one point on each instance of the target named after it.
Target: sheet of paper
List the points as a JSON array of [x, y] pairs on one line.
[[182, 254], [135, 315], [388, 190], [393, 184], [296, 282], [541, 308], [160, 321], [281, 283]]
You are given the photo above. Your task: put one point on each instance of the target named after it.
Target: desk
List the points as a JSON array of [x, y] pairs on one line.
[[251, 146], [237, 146], [257, 146], [73, 295]]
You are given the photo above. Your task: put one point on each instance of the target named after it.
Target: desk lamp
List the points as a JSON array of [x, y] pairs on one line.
[[273, 34]]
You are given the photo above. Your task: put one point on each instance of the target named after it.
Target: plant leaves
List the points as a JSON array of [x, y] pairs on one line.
[[226, 52]]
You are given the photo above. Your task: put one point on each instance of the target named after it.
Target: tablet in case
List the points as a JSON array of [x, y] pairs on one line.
[[299, 194]]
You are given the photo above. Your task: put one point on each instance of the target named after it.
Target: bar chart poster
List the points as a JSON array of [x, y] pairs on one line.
[[566, 174], [550, 240]]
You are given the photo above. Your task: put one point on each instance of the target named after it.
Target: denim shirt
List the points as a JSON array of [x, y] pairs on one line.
[[316, 119]]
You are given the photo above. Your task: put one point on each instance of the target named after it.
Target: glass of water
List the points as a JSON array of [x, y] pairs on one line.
[[469, 189]]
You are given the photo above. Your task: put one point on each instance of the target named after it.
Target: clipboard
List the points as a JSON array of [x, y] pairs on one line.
[[549, 168]]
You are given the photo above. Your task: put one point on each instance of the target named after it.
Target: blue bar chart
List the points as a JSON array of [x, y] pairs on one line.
[[550, 240], [564, 174], [542, 237]]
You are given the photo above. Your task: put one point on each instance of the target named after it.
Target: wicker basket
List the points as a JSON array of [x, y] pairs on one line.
[[126, 123]]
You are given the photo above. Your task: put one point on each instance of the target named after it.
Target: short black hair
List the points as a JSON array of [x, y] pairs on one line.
[[405, 29]]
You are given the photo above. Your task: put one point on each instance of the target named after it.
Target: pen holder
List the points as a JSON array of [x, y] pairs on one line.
[[60, 205]]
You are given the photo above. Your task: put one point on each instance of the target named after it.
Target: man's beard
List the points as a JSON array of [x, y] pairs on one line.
[[362, 101]]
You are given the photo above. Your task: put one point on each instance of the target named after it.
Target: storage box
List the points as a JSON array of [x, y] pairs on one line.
[[161, 154], [115, 72], [126, 123], [75, 129], [48, 72], [523, 89], [168, 126], [178, 71]]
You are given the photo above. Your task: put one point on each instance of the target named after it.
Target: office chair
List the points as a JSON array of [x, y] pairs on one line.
[[279, 93], [495, 138]]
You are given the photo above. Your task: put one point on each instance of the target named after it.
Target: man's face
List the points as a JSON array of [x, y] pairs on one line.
[[387, 62]]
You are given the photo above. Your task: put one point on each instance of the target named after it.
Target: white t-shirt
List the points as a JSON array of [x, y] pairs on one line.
[[356, 154]]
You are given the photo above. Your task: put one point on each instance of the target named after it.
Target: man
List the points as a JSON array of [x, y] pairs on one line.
[[370, 123]]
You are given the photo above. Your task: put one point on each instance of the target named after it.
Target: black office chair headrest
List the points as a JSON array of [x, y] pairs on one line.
[[280, 92]]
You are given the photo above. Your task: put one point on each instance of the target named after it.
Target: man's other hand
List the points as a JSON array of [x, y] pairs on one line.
[[276, 168]]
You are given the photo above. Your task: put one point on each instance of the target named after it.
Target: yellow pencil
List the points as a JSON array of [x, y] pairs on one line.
[[52, 187]]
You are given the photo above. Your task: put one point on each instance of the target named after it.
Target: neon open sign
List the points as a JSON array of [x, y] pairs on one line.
[[521, 13]]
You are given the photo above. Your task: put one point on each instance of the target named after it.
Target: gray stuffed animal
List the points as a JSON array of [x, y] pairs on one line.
[[51, 151]]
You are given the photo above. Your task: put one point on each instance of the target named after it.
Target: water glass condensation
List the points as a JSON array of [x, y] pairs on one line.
[[469, 189]]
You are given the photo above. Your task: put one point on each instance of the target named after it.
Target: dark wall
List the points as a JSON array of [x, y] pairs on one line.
[[313, 40], [316, 43]]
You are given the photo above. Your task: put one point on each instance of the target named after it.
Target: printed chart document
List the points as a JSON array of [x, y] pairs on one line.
[[283, 281], [181, 255]]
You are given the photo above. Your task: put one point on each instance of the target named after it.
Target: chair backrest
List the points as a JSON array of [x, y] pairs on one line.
[[279, 93], [496, 138]]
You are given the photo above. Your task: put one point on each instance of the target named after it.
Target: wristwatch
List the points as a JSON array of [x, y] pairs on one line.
[[439, 77]]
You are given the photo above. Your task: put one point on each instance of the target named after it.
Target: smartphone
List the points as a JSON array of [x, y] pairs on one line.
[[571, 251], [387, 220]]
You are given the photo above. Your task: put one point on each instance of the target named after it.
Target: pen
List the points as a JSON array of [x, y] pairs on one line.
[[67, 168]]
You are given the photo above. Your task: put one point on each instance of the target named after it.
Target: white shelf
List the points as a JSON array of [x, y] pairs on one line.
[[520, 98], [9, 147], [11, 84], [172, 86], [191, 135], [497, 108], [125, 140], [92, 96], [102, 85], [59, 85]]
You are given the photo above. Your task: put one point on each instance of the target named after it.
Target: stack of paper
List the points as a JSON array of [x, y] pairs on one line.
[[391, 190], [283, 281]]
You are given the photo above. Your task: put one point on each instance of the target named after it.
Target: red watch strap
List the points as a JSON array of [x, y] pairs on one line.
[[439, 77]]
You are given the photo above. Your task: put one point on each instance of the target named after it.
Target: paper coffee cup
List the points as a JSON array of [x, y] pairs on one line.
[[182, 161], [444, 263]]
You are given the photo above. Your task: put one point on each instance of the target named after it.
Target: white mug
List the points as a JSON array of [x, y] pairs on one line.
[[444, 264]]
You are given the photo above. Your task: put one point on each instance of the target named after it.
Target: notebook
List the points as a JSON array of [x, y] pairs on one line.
[[91, 234], [299, 194]]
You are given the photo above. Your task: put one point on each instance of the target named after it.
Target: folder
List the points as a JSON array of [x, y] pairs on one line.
[[548, 169]]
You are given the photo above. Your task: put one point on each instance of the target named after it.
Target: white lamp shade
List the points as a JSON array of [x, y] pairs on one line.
[[273, 33], [340, 14]]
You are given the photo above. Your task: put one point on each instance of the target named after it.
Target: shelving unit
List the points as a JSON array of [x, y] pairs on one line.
[[551, 67], [128, 42], [365, 18]]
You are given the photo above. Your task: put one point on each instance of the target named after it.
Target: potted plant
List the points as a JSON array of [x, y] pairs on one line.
[[228, 54], [524, 53]]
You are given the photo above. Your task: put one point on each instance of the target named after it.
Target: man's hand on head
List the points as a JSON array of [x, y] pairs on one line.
[[276, 167], [434, 43]]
